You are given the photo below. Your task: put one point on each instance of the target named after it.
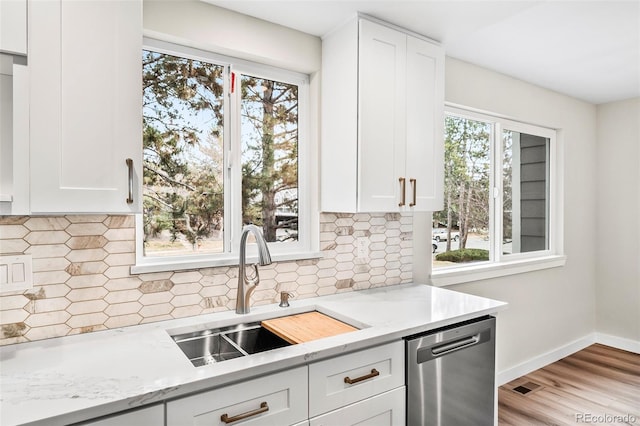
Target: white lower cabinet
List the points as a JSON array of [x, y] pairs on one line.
[[386, 409], [360, 388], [277, 399], [150, 416]]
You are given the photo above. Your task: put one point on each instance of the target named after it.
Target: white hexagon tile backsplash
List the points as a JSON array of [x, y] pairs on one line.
[[82, 283]]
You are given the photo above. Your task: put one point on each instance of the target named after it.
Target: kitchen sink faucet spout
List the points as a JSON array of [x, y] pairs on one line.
[[247, 284]]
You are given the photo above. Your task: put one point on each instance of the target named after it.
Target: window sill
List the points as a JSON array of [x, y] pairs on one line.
[[467, 274], [164, 265]]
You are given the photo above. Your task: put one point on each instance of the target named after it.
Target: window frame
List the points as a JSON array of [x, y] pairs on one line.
[[306, 246], [507, 264]]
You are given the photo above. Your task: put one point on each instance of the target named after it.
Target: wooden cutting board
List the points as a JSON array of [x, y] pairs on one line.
[[306, 327]]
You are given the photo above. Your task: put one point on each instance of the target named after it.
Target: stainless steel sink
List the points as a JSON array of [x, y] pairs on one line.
[[256, 339], [220, 344]]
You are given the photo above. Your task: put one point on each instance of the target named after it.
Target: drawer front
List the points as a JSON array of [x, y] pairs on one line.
[[387, 409], [277, 399], [370, 372]]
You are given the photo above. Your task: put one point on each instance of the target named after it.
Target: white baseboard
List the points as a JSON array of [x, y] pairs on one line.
[[618, 342], [545, 359]]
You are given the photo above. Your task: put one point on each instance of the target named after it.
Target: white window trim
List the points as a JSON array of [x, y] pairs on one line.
[[522, 262], [485, 270], [307, 247]]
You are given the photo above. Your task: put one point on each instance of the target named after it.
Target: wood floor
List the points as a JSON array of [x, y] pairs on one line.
[[597, 385]]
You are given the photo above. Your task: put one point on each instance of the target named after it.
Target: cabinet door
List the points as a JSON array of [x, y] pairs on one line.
[[151, 416], [425, 122], [277, 399], [13, 26], [339, 120], [14, 137], [86, 105], [382, 114], [386, 409]]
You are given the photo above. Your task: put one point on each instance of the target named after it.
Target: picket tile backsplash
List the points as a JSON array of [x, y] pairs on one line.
[[82, 281]]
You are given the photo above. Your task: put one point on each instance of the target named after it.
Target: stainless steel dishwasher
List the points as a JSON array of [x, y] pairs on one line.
[[451, 375]]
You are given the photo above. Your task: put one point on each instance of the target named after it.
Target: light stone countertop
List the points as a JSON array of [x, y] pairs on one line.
[[75, 378]]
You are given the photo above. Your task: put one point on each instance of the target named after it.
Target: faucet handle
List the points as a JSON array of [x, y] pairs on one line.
[[254, 279], [284, 299]]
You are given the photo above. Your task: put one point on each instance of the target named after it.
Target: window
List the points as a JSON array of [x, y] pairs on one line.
[[224, 145], [500, 204]]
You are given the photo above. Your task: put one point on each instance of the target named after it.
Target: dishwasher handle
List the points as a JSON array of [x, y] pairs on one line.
[[455, 345], [441, 349]]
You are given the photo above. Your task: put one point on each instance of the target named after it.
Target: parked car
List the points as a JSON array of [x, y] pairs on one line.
[[440, 234], [434, 243]]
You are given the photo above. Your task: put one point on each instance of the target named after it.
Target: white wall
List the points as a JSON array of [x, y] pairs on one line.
[[204, 26], [618, 232], [550, 308]]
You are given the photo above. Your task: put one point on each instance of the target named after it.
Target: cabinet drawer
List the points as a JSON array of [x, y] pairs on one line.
[[371, 371], [387, 409], [277, 399]]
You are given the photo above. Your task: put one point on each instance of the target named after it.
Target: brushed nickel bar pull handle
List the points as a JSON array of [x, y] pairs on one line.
[[130, 166], [373, 373], [264, 407], [414, 184], [403, 183]]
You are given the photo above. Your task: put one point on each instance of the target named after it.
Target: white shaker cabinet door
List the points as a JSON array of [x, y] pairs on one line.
[[13, 26], [425, 125], [382, 112], [86, 106]]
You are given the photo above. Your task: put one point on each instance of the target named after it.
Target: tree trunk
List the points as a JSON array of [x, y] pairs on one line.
[[268, 165], [461, 218], [448, 219], [464, 232]]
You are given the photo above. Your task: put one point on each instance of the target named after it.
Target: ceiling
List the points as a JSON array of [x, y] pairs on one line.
[[583, 48]]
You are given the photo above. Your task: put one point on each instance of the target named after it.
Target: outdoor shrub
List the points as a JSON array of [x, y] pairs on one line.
[[464, 255]]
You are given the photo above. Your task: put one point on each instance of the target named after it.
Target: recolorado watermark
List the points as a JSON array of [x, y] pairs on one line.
[[605, 419]]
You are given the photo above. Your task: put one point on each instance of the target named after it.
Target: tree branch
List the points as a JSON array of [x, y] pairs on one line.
[[166, 177]]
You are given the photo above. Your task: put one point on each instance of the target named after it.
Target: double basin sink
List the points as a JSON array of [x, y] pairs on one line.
[[221, 344], [212, 345]]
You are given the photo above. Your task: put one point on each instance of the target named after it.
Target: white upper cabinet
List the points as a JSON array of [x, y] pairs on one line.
[[382, 120], [382, 129], [13, 27], [425, 124], [14, 109], [85, 106], [14, 137]]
